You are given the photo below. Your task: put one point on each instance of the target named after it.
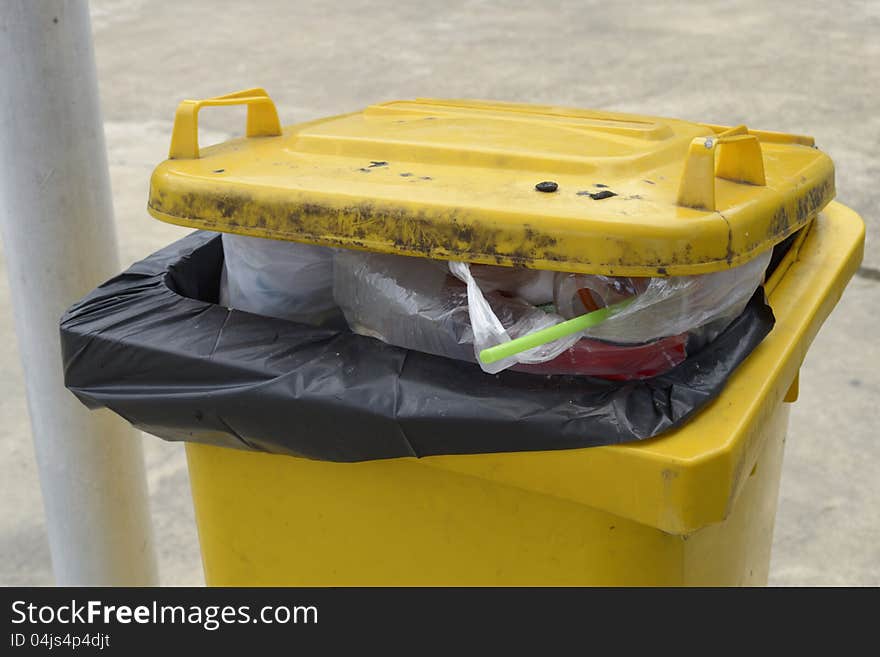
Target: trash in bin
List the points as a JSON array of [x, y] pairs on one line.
[[460, 311]]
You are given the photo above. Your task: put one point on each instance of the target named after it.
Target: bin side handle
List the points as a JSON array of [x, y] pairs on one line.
[[262, 120], [740, 159]]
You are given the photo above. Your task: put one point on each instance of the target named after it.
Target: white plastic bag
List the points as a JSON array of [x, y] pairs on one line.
[[279, 279]]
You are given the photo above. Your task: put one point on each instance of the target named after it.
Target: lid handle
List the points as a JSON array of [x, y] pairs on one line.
[[262, 120], [739, 159]]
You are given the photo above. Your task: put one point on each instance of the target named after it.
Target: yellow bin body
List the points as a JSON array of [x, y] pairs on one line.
[[695, 506]]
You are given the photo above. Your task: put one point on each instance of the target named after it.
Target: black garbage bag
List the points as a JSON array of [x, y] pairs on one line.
[[153, 346]]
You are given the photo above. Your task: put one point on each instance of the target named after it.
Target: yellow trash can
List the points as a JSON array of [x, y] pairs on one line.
[[694, 506]]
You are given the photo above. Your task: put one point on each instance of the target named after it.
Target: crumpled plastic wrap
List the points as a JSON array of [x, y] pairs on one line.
[[663, 306], [153, 345], [488, 329], [414, 303]]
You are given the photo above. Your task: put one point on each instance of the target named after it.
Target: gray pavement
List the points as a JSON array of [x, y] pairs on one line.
[[806, 67]]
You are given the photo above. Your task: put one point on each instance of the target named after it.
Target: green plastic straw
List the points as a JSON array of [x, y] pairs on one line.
[[551, 333]]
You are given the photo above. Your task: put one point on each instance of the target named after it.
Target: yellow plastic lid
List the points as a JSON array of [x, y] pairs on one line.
[[499, 183]]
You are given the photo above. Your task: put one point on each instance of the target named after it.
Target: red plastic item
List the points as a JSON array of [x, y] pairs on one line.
[[613, 361]]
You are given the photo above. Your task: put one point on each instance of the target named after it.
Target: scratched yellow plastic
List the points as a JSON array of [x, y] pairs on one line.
[[694, 506], [455, 179]]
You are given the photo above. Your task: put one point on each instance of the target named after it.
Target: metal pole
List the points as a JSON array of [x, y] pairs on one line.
[[58, 234]]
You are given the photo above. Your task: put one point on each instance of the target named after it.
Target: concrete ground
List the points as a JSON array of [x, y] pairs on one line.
[[795, 66]]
